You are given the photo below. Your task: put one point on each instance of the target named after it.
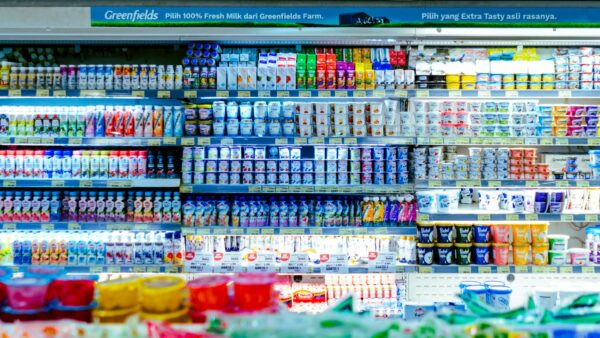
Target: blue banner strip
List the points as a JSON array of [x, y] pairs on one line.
[[336, 16]]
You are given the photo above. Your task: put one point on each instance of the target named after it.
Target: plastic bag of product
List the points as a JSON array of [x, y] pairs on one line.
[[164, 330]]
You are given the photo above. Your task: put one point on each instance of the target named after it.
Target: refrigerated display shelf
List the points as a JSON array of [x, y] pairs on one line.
[[274, 140], [109, 268], [296, 189], [203, 93], [479, 215], [422, 184], [69, 183], [510, 141], [95, 141], [505, 269], [97, 226], [212, 93], [269, 140], [403, 230]]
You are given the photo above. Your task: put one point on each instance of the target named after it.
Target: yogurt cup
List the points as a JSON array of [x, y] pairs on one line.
[[539, 254], [539, 233], [557, 257], [578, 256], [500, 253], [558, 242], [463, 253], [521, 254], [425, 233], [424, 254], [521, 233], [481, 233], [445, 253], [478, 290], [482, 253], [499, 297], [445, 233], [464, 233]]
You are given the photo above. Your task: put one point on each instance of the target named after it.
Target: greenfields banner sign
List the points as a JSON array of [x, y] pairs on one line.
[[343, 16]]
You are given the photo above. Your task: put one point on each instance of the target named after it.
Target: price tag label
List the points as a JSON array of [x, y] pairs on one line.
[[315, 231], [243, 93], [14, 92], [198, 262], [291, 231], [283, 93], [551, 269], [294, 263], [484, 269], [483, 217], [60, 93], [85, 184], [360, 231], [502, 269], [173, 269], [227, 141], [587, 269], [335, 140], [73, 226], [401, 93], [152, 269], [317, 140], [264, 93], [163, 94], [531, 217], [531, 183], [546, 141], [422, 217], [425, 269], [566, 269], [227, 262], [92, 93], [583, 184], [591, 218], [42, 92], [531, 141], [484, 93], [5, 140], [436, 140], [74, 140], [190, 141], [384, 262], [113, 269], [265, 231], [304, 93], [95, 269], [494, 184], [58, 183], [139, 269], [464, 269], [9, 183], [300, 140], [422, 93], [255, 189], [47, 226], [594, 141], [203, 141], [345, 231], [350, 140], [512, 217], [462, 140], [521, 269], [9, 226], [561, 141], [140, 227], [341, 93], [253, 231], [334, 263], [434, 183], [170, 141], [222, 93], [281, 140], [566, 218], [511, 93], [138, 93], [564, 93], [118, 184], [379, 93], [47, 140], [561, 184], [261, 262], [454, 93], [360, 93]]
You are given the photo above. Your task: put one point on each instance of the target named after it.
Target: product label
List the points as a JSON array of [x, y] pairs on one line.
[[294, 263]]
